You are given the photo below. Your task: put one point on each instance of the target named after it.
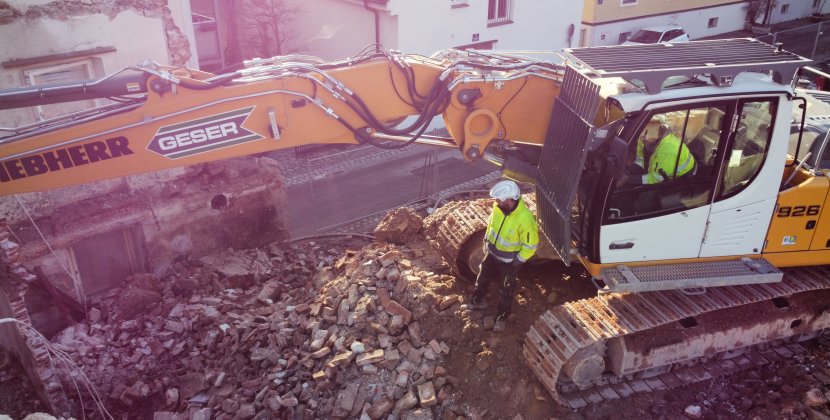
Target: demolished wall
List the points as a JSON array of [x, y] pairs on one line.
[[191, 211], [49, 16], [19, 341]]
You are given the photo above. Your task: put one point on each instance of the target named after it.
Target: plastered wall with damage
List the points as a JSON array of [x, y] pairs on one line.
[[84, 240], [62, 41]]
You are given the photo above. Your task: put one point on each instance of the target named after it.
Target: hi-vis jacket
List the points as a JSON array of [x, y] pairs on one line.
[[664, 160], [514, 235]]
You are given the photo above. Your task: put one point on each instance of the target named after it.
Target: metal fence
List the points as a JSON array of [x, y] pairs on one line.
[[351, 191], [811, 41], [341, 192]]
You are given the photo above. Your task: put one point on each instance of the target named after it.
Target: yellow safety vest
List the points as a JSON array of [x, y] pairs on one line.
[[513, 235], [665, 158]]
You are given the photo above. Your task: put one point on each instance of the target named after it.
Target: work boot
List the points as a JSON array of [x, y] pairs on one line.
[[474, 304], [501, 322]]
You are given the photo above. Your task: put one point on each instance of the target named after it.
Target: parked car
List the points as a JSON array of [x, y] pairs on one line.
[[658, 34]]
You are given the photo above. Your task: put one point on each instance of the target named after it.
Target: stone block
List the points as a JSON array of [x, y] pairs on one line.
[[395, 308], [389, 258], [426, 394], [408, 401], [402, 379], [340, 359], [371, 357], [380, 408], [414, 330], [383, 296], [347, 396], [323, 352]]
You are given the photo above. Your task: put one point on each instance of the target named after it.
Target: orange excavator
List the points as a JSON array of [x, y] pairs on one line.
[[697, 271]]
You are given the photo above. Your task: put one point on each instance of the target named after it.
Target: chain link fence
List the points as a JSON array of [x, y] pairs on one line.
[[811, 41], [344, 193]]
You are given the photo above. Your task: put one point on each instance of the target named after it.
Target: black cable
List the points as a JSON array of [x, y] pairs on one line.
[[498, 114], [377, 125], [395, 88], [442, 102]]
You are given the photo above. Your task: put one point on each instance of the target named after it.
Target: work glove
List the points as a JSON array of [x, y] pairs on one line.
[[516, 263]]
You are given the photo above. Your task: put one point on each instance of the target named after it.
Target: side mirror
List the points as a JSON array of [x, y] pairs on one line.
[[617, 157]]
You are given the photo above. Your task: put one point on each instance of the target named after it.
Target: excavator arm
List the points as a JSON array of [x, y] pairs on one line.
[[164, 117]]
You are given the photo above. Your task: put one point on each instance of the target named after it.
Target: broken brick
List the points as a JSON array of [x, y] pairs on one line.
[[371, 357], [395, 308]]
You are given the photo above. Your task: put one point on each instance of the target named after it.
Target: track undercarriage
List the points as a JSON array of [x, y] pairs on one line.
[[614, 345]]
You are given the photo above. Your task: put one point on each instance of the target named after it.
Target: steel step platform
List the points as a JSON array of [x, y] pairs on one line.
[[649, 278]]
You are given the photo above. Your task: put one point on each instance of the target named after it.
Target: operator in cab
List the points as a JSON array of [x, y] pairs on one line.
[[661, 155], [512, 237]]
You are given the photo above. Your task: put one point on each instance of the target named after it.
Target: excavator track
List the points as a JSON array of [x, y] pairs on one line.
[[614, 345], [456, 230]]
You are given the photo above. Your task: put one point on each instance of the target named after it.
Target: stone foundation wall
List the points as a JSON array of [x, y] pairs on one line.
[[29, 350], [184, 212]]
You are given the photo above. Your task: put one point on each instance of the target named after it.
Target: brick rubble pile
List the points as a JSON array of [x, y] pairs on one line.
[[300, 331]]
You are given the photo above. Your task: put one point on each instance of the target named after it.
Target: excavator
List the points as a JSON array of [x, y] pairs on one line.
[[693, 272]]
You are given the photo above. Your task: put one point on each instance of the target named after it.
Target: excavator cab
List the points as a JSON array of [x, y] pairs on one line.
[[698, 180]]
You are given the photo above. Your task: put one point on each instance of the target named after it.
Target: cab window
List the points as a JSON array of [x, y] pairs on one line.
[[811, 142], [748, 150], [672, 164]]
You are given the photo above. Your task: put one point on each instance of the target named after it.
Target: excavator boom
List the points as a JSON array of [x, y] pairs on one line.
[[168, 117]]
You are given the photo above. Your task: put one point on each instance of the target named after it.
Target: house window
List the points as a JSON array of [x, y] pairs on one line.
[[62, 73], [499, 12], [785, 8], [459, 3], [624, 37], [629, 2], [713, 22]]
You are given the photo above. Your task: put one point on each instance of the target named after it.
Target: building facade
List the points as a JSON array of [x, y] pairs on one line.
[[86, 239], [338, 28], [611, 22]]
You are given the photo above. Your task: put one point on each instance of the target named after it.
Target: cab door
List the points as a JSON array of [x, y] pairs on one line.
[[646, 220], [751, 174]]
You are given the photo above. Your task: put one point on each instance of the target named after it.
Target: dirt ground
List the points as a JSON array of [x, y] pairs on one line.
[[492, 380]]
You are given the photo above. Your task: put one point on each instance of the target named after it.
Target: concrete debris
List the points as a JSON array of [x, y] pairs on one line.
[[693, 412], [289, 331], [399, 226], [408, 401]]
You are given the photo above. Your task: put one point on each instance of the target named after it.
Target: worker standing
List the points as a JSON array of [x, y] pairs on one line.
[[512, 237]]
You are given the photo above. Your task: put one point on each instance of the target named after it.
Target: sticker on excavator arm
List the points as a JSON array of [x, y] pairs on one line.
[[788, 240], [203, 135]]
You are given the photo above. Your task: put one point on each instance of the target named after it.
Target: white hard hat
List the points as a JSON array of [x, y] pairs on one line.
[[505, 189]]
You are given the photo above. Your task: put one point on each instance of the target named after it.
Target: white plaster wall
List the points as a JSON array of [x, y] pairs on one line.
[[338, 28], [730, 18], [430, 25], [333, 29], [49, 36]]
